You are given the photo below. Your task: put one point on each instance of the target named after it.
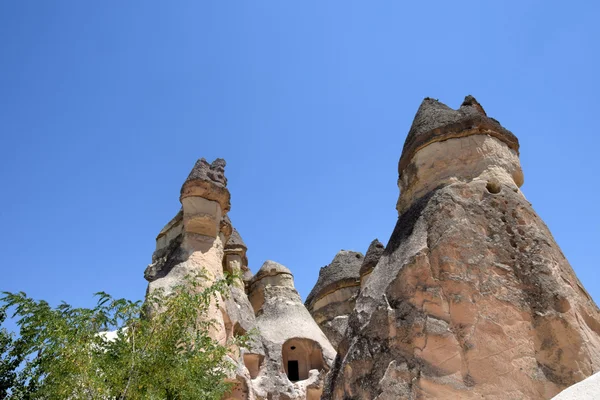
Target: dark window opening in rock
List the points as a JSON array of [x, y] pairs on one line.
[[493, 187], [300, 356], [293, 372]]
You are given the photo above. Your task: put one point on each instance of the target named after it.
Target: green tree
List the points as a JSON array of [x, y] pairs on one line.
[[9, 362], [160, 349]]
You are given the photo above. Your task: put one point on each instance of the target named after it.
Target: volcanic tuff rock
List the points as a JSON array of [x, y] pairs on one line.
[[289, 356], [374, 253], [288, 332], [333, 296], [472, 297]]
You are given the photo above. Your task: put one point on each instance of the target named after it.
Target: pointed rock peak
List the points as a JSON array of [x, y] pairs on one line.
[[372, 257], [430, 115], [214, 173], [375, 248], [375, 245], [470, 101], [235, 241], [430, 103]]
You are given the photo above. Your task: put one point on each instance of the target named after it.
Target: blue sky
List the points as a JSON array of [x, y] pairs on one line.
[[105, 107]]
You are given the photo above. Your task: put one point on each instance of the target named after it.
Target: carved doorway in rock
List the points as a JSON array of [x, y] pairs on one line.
[[292, 369], [300, 356]]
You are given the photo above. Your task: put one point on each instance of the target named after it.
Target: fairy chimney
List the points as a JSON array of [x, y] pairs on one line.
[[332, 298], [297, 353], [472, 297], [288, 355]]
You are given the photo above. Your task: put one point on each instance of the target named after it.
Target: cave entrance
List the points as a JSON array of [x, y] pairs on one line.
[[293, 370], [301, 355]]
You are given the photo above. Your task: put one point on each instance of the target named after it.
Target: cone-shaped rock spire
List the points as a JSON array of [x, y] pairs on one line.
[[371, 257], [342, 271], [472, 297]]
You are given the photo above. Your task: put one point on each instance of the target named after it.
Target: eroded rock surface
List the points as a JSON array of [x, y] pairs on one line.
[[332, 298], [297, 353], [374, 253], [288, 356], [472, 297]]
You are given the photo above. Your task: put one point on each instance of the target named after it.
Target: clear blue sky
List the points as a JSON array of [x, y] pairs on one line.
[[106, 105]]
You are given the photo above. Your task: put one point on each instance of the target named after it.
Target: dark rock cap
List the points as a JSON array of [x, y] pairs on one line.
[[204, 171], [372, 257], [436, 121], [208, 181], [235, 241], [344, 270]]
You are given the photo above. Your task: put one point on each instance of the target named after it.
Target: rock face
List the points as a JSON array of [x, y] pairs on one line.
[[472, 297], [289, 356], [333, 296]]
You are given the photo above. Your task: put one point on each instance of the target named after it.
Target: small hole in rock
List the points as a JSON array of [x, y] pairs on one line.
[[493, 187]]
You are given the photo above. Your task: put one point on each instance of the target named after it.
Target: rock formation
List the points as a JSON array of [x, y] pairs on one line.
[[472, 297], [374, 253], [297, 352], [332, 298], [288, 356]]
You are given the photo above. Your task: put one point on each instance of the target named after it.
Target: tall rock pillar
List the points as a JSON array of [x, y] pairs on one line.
[[472, 297], [193, 241]]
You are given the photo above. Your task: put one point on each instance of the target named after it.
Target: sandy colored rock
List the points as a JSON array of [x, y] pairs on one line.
[[472, 297], [288, 333], [288, 356], [235, 261], [436, 122]]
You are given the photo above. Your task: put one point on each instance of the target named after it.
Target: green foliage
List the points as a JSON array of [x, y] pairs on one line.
[[8, 361], [162, 348]]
